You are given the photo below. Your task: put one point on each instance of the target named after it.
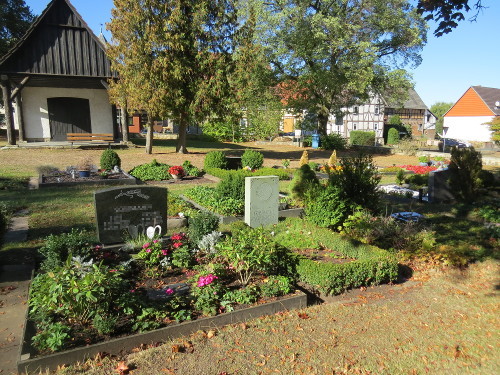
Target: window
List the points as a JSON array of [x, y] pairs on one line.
[[420, 127], [354, 126], [377, 109], [339, 120], [375, 126], [356, 110]]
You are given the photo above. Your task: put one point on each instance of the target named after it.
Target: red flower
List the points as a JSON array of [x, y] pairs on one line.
[[176, 170]]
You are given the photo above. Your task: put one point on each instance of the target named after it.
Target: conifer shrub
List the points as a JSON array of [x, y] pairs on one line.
[[304, 159], [465, 168], [392, 136], [110, 158], [304, 178]]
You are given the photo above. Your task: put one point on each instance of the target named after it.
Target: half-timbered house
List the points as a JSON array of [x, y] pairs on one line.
[[54, 79]]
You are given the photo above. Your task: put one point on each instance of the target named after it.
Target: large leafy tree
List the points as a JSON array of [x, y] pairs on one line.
[[495, 129], [448, 12], [336, 53], [439, 109], [15, 18], [173, 58]]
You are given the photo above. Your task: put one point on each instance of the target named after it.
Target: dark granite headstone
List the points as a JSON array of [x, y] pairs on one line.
[[128, 211], [439, 190]]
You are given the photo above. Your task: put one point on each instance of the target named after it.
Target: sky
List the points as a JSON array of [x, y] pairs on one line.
[[468, 56]]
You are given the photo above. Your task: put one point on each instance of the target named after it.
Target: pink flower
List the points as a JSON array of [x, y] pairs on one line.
[[164, 252], [169, 291], [206, 280], [148, 250], [112, 270], [176, 245], [155, 241], [146, 245], [132, 290]]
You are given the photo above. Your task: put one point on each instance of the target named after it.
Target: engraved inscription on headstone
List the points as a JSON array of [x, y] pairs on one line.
[[129, 211], [261, 200]]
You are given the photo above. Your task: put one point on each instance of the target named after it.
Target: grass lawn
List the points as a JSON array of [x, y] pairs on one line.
[[437, 322]]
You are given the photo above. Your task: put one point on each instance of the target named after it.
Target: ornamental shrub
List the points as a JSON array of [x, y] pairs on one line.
[[333, 141], [201, 224], [215, 159], [153, 171], [109, 158], [275, 286], [465, 168], [392, 136], [362, 138], [400, 176], [253, 159], [304, 179]]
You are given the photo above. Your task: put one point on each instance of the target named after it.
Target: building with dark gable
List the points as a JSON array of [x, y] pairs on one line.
[[54, 79]]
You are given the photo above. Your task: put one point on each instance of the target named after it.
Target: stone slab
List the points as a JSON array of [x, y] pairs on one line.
[[261, 200]]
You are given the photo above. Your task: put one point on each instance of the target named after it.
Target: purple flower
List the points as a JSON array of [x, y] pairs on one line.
[[169, 291]]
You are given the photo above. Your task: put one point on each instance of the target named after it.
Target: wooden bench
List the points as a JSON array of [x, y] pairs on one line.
[[89, 138]]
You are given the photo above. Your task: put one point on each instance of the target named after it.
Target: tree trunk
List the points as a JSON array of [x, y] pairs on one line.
[[322, 124], [20, 117], [181, 140], [124, 124], [7, 104], [149, 137]]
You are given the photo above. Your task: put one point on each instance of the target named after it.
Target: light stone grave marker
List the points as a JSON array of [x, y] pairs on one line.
[[261, 200], [123, 211]]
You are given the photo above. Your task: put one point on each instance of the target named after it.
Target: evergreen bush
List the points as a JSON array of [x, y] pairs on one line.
[[215, 159], [392, 136], [253, 159], [154, 171], [304, 159], [109, 158], [304, 178], [465, 168]]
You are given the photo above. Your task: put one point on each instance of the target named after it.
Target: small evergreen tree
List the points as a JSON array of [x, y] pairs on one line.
[[304, 159], [392, 136], [465, 168]]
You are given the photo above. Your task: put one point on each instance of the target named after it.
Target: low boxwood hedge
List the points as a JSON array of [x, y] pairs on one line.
[[371, 266], [282, 174]]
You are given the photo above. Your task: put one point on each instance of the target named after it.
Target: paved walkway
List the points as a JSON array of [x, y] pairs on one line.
[[14, 284]]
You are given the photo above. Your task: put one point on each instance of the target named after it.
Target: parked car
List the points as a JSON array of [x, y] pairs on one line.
[[450, 142]]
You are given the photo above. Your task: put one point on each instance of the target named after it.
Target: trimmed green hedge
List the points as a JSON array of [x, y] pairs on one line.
[[362, 138], [283, 174], [371, 267]]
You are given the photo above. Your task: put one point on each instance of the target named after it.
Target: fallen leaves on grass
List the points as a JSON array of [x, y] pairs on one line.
[[303, 315], [122, 368]]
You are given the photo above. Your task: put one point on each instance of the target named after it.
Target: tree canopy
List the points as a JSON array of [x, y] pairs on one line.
[[337, 53], [448, 12], [173, 58], [15, 18], [439, 109]]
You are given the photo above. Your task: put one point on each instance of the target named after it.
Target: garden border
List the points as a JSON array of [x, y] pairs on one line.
[[130, 180], [29, 365], [290, 212]]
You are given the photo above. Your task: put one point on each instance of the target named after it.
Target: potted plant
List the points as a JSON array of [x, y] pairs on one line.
[[423, 160], [84, 166], [177, 172], [104, 174]]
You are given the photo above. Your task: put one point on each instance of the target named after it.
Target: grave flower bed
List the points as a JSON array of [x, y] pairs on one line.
[[95, 294], [419, 169]]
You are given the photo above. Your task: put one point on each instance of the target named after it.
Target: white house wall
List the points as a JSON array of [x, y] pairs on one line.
[[36, 116], [468, 128]]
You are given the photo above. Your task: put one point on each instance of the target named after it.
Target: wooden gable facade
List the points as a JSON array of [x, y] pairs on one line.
[[54, 79]]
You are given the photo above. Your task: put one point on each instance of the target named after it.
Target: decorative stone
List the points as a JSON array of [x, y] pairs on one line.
[[128, 211], [261, 200]]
